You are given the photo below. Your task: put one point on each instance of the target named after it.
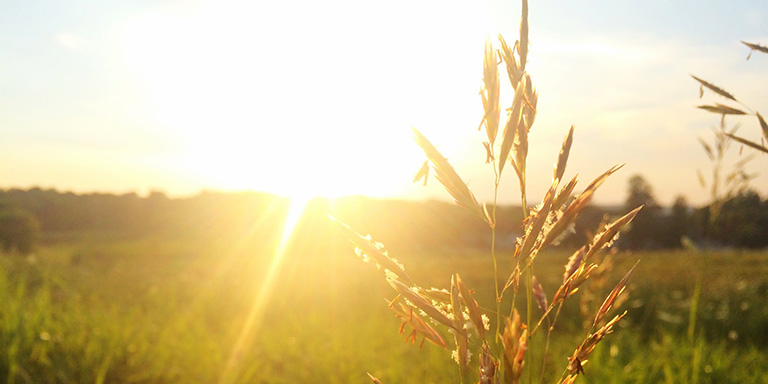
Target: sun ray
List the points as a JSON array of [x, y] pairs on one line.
[[253, 321]]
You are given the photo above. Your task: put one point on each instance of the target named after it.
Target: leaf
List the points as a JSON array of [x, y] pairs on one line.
[[722, 109], [715, 88], [749, 143]]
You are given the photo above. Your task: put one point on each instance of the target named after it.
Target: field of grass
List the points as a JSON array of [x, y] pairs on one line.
[[206, 310]]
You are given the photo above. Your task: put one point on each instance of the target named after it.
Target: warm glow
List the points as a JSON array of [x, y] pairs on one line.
[[265, 291], [301, 109]]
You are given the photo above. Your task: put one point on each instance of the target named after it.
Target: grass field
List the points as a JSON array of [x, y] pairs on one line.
[[99, 310]]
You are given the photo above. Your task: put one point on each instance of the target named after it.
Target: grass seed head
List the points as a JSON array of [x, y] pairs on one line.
[[448, 177], [754, 47], [513, 67], [490, 93], [722, 109], [579, 356], [511, 129], [489, 367], [514, 341], [606, 306], [539, 294], [419, 326], [713, 88], [475, 316], [375, 380], [605, 238], [562, 158], [462, 341], [419, 302], [370, 249]]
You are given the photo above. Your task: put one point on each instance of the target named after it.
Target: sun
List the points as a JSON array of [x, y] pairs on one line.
[[295, 103]]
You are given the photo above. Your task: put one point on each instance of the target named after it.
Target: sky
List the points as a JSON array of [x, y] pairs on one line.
[[308, 98]]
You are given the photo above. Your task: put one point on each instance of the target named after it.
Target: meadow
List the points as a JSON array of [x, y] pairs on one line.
[[99, 308]]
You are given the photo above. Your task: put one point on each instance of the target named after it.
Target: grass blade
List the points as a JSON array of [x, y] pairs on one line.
[[722, 109], [365, 245], [574, 209], [606, 306], [763, 125], [714, 88], [748, 143], [523, 47], [512, 126], [448, 177], [754, 47], [462, 341], [605, 238], [490, 93], [513, 68], [562, 158]]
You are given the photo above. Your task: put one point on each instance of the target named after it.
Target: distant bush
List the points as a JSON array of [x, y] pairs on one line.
[[19, 231]]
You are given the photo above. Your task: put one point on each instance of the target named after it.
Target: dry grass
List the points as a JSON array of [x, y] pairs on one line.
[[483, 350], [722, 187]]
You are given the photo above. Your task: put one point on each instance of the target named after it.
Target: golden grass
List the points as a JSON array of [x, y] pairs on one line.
[[505, 355]]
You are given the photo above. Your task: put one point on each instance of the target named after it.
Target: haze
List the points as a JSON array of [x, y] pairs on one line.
[[308, 98]]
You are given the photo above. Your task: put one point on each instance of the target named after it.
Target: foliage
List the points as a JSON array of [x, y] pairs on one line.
[[743, 222], [19, 231], [644, 230]]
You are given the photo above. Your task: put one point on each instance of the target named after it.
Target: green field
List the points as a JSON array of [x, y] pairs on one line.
[[95, 309]]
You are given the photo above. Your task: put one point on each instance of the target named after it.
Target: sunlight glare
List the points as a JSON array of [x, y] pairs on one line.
[[253, 321], [288, 100]]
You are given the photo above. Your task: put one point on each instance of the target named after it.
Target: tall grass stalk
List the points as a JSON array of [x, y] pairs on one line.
[[436, 315], [723, 187]]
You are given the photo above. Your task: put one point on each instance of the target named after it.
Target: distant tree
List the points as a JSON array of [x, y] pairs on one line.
[[644, 230], [19, 230], [677, 224], [742, 222]]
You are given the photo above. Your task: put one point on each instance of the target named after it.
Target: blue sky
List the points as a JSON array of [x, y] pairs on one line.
[[319, 98]]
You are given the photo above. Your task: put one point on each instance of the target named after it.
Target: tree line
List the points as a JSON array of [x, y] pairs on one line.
[[32, 215], [741, 221]]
